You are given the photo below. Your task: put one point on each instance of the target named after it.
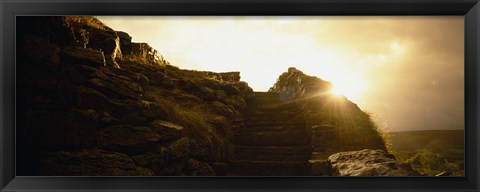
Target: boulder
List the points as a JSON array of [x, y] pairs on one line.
[[368, 162], [117, 87], [128, 139], [91, 163], [86, 56], [87, 98], [168, 130], [230, 89], [109, 43], [125, 42]]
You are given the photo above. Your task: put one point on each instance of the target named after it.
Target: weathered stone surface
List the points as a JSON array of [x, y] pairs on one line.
[[145, 52], [85, 56], [69, 101], [368, 162], [124, 36], [109, 43], [87, 98], [125, 42], [230, 76], [167, 130], [197, 168], [179, 148], [128, 139], [222, 109], [167, 160], [117, 87], [230, 88], [207, 94], [222, 125], [221, 95], [91, 163], [238, 102], [142, 79]]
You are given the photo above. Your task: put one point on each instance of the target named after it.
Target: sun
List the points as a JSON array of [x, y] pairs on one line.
[[352, 88]]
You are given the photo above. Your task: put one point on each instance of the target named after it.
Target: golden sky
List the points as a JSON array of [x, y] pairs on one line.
[[406, 71]]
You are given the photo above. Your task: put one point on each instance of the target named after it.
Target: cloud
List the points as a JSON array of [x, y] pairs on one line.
[[410, 68]]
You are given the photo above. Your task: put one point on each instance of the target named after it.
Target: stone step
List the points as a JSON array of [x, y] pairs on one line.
[[271, 108], [302, 153], [268, 168], [283, 138], [269, 128], [271, 115], [274, 123]]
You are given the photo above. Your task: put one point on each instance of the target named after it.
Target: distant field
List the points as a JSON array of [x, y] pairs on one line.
[[430, 152]]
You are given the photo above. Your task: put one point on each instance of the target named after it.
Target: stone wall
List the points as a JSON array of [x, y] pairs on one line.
[[83, 110]]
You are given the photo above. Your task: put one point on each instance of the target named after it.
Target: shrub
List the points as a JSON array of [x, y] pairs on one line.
[[430, 163]]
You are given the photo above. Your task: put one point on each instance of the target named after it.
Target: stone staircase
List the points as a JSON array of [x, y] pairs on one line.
[[272, 140]]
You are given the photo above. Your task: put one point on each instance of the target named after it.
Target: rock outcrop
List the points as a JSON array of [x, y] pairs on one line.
[[368, 162], [335, 123], [91, 102]]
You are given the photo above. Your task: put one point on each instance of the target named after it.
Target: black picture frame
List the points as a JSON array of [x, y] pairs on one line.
[[9, 9]]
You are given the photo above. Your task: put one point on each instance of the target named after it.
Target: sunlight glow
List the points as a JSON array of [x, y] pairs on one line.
[[350, 89]]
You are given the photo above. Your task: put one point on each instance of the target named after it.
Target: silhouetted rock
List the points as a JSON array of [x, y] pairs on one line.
[[84, 56], [125, 42], [128, 139], [109, 43], [168, 130], [83, 86], [368, 162], [353, 130], [230, 76], [144, 52], [92, 163]]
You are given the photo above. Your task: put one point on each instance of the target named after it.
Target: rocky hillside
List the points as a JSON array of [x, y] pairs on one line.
[[92, 102]]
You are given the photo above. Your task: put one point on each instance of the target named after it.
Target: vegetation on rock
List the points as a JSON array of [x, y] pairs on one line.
[[87, 92]]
